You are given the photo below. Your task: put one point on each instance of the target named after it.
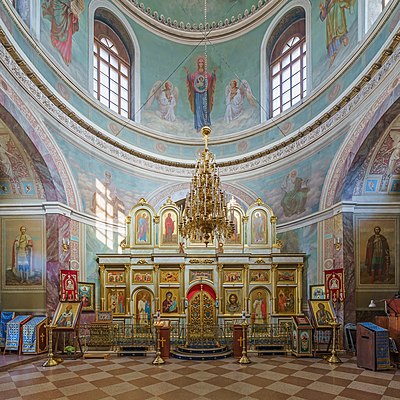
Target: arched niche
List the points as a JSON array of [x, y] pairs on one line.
[[236, 215], [141, 226], [143, 306], [261, 226], [168, 232], [260, 305]]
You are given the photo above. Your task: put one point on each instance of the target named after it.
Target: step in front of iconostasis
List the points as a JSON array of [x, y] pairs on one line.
[[201, 354], [135, 351], [270, 349]]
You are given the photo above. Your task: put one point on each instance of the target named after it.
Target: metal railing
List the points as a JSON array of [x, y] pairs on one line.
[[114, 336], [264, 335]]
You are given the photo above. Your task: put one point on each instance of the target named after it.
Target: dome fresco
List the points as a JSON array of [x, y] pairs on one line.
[[244, 126], [239, 105], [192, 11]]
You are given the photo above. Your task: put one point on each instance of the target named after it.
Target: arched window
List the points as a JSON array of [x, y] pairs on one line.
[[112, 70], [373, 9], [23, 8], [288, 81]]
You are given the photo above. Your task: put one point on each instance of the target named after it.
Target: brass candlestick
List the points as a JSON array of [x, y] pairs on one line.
[[244, 359], [158, 360], [50, 362], [334, 359]]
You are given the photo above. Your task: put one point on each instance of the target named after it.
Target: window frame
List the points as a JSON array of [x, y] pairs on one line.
[[103, 32], [364, 24], [279, 56]]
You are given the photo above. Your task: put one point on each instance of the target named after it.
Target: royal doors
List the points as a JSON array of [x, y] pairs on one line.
[[202, 316]]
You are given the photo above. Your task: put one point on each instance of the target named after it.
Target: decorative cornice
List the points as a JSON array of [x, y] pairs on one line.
[[192, 32], [121, 151]]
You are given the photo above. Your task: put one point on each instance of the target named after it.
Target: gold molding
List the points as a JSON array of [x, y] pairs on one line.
[[169, 202], [259, 202], [201, 261]]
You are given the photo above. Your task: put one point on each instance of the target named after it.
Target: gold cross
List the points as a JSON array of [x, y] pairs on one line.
[[240, 340], [42, 337], [162, 340]]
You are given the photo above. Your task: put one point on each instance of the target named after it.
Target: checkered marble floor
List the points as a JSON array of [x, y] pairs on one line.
[[136, 378]]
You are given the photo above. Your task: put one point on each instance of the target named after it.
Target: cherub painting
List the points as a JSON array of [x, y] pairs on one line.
[[235, 94], [166, 96]]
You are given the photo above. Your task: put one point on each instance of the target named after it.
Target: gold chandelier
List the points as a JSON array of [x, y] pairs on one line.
[[205, 216]]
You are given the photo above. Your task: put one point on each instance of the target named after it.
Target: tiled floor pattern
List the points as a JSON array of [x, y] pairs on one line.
[[265, 378]]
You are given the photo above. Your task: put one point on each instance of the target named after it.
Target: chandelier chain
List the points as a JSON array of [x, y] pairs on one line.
[[205, 98]]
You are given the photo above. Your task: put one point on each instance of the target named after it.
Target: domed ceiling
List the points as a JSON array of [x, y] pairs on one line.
[[192, 11]]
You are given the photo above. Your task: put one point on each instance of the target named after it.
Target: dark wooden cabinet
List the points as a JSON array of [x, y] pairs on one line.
[[392, 324], [372, 347]]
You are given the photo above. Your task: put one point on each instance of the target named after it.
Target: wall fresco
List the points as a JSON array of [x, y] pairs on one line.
[[17, 171], [339, 20]]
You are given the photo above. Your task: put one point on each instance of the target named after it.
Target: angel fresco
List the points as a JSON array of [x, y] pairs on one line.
[[166, 96], [64, 18], [235, 94], [334, 12]]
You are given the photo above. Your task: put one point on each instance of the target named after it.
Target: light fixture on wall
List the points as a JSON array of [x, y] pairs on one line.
[[372, 304], [205, 216], [65, 244]]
